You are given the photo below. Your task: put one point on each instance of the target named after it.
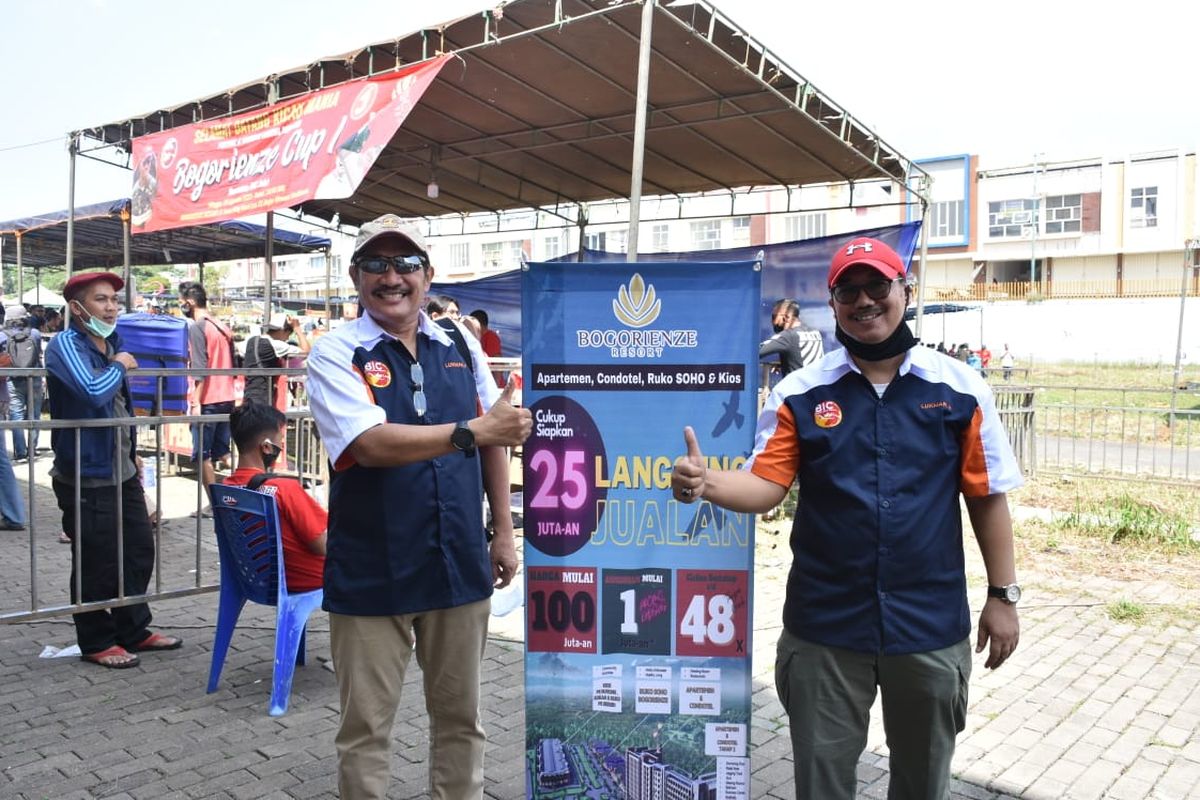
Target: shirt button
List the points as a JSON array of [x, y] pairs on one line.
[[883, 595], [886, 504], [882, 453]]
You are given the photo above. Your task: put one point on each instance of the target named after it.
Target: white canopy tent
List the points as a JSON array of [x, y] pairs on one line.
[[41, 296]]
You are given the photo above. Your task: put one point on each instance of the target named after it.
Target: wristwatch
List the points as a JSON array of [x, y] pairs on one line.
[[1010, 594], [463, 439]]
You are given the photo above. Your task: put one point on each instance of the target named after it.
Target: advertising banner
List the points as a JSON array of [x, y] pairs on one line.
[[638, 607], [316, 146]]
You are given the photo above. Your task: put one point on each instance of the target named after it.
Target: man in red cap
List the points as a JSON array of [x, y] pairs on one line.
[[884, 437], [85, 373]]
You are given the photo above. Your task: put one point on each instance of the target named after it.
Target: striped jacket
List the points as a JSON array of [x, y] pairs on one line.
[[83, 384]]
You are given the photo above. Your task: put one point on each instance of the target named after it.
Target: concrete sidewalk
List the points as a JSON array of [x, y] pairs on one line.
[[1087, 708]]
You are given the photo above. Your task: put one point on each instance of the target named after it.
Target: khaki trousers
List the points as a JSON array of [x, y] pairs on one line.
[[370, 655]]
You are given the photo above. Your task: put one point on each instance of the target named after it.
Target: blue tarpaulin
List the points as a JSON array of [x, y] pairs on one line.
[[790, 269], [99, 240]]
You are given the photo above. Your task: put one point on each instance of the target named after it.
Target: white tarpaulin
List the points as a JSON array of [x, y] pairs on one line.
[[41, 296]]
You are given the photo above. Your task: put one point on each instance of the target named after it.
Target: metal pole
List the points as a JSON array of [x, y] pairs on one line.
[[125, 223], [581, 220], [921, 279], [269, 267], [328, 291], [639, 128], [1189, 259], [20, 269], [72, 148], [1036, 222]]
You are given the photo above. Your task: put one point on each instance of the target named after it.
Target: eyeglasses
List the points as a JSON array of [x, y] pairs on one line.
[[418, 378], [847, 293], [404, 265]]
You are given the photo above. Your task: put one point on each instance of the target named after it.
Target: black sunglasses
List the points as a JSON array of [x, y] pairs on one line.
[[847, 293], [403, 265]]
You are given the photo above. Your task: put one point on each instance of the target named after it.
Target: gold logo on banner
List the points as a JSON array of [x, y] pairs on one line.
[[636, 304]]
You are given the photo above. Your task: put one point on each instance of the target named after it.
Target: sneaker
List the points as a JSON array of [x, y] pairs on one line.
[[8, 525], [204, 513]]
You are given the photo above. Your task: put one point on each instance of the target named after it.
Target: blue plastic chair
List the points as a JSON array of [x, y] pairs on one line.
[[247, 525]]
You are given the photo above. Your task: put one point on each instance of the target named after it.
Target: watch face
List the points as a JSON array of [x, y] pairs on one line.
[[462, 438], [1012, 593]]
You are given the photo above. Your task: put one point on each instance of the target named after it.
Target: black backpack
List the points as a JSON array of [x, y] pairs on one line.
[[258, 480], [260, 353]]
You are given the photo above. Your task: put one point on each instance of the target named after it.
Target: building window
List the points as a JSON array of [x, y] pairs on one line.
[[460, 256], [803, 226], [594, 241], [1011, 218], [741, 231], [493, 255], [1143, 207], [1064, 213], [706, 235], [552, 247], [502, 255], [618, 241], [660, 238], [946, 219]]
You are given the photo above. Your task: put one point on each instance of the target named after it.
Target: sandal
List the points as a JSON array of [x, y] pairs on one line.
[[156, 641], [115, 657]]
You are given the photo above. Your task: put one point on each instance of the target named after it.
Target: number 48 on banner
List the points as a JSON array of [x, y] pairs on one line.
[[713, 614]]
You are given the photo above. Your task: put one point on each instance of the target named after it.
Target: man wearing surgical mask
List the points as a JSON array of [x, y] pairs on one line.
[[259, 431], [86, 376]]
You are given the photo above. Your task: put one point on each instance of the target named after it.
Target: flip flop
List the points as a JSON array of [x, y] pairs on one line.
[[116, 651], [156, 641]]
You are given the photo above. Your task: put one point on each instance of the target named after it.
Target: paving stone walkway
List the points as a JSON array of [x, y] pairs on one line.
[[1086, 708]]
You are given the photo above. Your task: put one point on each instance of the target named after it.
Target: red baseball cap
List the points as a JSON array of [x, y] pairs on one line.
[[869, 252], [80, 281]]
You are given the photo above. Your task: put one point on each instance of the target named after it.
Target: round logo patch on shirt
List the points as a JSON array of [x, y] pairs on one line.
[[827, 414], [378, 374]]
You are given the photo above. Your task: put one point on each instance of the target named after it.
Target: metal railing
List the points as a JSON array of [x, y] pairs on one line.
[[1059, 289], [186, 542]]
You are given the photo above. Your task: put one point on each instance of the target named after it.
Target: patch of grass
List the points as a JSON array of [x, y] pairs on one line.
[[1126, 611], [1129, 518]]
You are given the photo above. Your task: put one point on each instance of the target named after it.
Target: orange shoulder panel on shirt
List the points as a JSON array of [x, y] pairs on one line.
[[974, 479], [779, 461]]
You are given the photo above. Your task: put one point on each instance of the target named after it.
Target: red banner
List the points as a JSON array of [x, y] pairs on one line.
[[317, 146]]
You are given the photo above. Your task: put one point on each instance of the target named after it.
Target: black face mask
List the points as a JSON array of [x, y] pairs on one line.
[[269, 457], [901, 341]]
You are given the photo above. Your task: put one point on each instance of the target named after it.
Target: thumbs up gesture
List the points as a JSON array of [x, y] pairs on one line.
[[504, 424], [690, 472]]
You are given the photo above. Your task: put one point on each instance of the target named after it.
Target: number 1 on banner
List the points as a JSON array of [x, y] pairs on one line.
[[574, 483]]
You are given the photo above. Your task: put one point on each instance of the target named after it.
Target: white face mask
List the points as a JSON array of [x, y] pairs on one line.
[[97, 326]]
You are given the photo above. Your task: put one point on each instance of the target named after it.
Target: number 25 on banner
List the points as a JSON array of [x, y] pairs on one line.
[[712, 614], [558, 484]]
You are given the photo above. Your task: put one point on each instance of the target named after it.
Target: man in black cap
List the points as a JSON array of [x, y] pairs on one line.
[[86, 374]]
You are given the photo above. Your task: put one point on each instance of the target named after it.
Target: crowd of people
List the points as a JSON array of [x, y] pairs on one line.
[[417, 430]]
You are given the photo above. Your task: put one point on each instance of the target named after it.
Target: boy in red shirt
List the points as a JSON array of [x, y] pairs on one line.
[[257, 430]]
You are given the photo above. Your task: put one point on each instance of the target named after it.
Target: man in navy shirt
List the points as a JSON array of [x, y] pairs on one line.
[[883, 437], [410, 415]]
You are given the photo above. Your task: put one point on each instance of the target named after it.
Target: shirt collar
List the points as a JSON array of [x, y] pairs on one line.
[[367, 331], [843, 361]]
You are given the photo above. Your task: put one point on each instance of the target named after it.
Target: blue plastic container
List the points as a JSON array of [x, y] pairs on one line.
[[156, 340]]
